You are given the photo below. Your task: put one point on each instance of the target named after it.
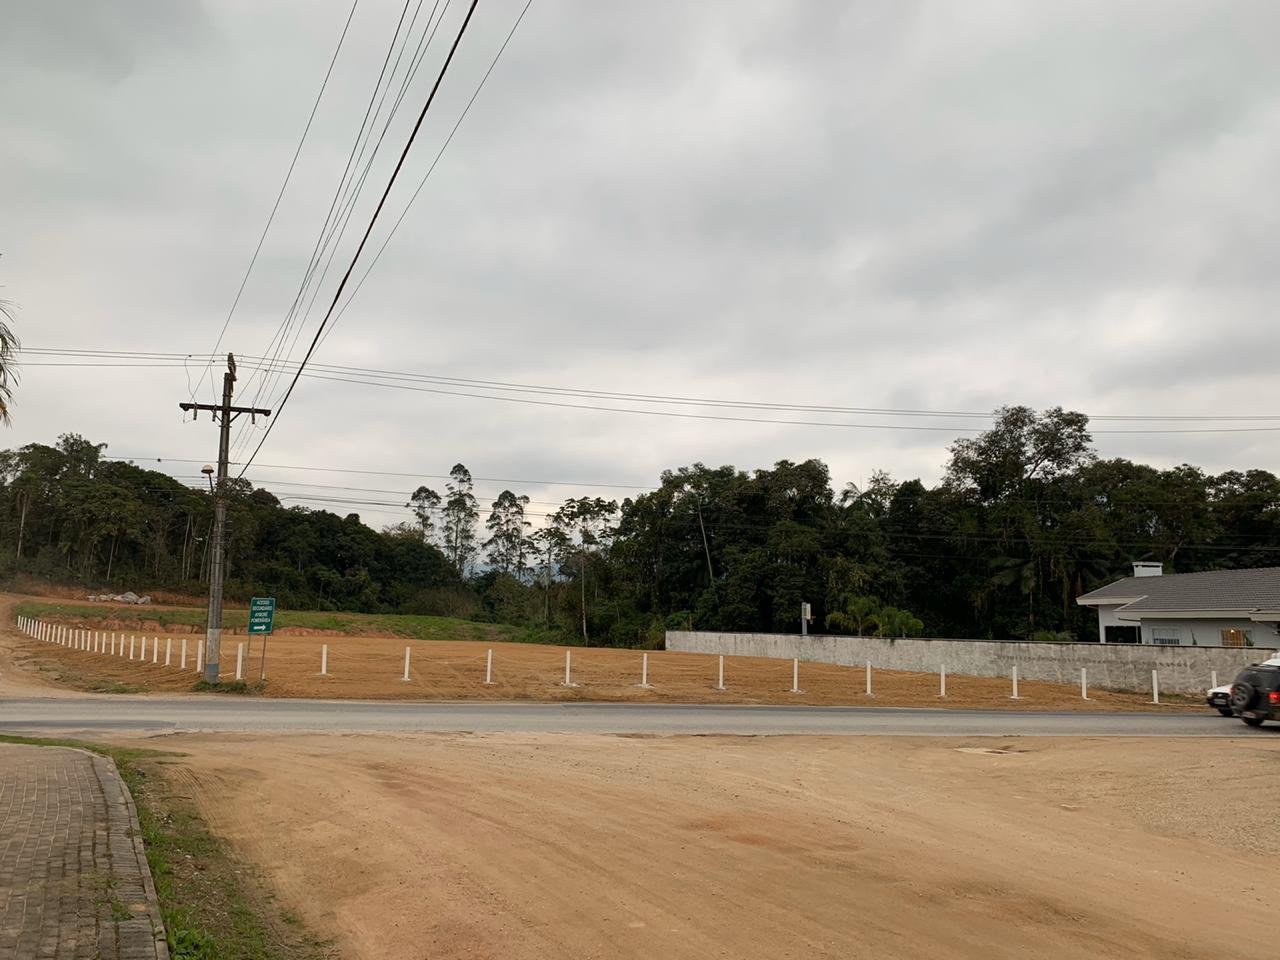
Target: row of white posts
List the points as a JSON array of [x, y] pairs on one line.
[[110, 644], [101, 642]]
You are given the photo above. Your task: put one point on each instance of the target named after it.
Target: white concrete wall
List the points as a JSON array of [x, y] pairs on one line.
[[1126, 666]]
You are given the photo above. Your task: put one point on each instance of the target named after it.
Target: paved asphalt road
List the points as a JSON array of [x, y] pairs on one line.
[[90, 715]]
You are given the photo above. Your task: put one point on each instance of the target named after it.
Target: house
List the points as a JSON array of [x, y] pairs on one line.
[[1214, 608]]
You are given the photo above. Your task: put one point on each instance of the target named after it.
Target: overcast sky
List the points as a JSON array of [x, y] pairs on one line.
[[926, 205]]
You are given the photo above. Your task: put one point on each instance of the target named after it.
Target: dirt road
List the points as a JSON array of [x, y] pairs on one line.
[[548, 846]]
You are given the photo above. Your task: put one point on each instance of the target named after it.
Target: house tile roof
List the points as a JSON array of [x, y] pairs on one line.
[[1257, 589]]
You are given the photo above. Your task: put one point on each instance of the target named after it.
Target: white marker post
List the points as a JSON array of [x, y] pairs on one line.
[[942, 681], [406, 664], [324, 659], [144, 648], [869, 693], [644, 671], [184, 653], [1155, 686], [720, 680], [568, 667], [1015, 683], [132, 640], [1213, 678], [488, 668], [168, 651], [239, 661], [155, 650], [795, 674], [1084, 684], [199, 657]]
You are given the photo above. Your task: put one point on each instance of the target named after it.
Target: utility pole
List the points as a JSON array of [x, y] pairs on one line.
[[223, 414]]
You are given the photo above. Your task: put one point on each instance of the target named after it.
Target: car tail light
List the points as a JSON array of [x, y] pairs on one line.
[[1274, 697]]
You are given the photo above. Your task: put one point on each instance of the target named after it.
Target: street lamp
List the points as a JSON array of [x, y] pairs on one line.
[[207, 470]]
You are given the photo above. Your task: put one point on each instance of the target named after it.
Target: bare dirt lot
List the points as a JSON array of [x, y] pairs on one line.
[[373, 668], [547, 846]]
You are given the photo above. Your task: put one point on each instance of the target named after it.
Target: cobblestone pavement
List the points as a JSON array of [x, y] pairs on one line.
[[74, 881]]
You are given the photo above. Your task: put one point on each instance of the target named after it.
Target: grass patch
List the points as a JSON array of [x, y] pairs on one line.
[[236, 620], [210, 910], [242, 687], [115, 686]]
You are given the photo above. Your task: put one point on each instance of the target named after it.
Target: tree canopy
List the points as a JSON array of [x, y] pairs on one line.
[[1025, 519]]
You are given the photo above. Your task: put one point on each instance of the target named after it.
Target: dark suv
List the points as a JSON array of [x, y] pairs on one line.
[[1255, 695]]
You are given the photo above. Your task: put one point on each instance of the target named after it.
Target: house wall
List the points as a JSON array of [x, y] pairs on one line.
[[1115, 666], [1208, 633]]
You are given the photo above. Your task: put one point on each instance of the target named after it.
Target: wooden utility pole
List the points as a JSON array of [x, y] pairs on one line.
[[223, 414]]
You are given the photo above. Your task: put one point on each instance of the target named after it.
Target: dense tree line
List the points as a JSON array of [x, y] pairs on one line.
[[1026, 518]]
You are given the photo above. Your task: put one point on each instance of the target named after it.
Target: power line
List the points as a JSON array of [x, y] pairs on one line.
[[426, 176], [279, 196], [376, 377], [368, 230], [276, 344]]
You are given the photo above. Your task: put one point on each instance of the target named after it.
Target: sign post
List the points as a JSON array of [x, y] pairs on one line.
[[262, 615]]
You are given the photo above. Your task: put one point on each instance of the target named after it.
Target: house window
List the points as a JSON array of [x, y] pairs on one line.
[[1237, 638], [1168, 636]]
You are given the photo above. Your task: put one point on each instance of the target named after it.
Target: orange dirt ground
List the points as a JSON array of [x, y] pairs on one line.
[[542, 847], [373, 667]]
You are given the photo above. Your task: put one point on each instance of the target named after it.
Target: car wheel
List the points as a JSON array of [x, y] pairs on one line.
[[1225, 711], [1252, 721], [1242, 695]]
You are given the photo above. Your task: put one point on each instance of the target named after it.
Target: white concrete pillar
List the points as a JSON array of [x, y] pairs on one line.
[[324, 659], [644, 671], [488, 667], [200, 656], [795, 674], [1213, 678], [184, 653], [168, 651], [155, 649], [568, 668], [1084, 684], [869, 693], [132, 642], [720, 674], [406, 664], [1015, 683], [942, 681], [240, 661], [1155, 686]]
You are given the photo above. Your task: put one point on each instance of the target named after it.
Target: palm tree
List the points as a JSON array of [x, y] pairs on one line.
[[8, 351], [857, 615]]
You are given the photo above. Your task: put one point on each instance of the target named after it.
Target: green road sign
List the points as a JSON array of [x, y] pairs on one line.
[[262, 613]]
